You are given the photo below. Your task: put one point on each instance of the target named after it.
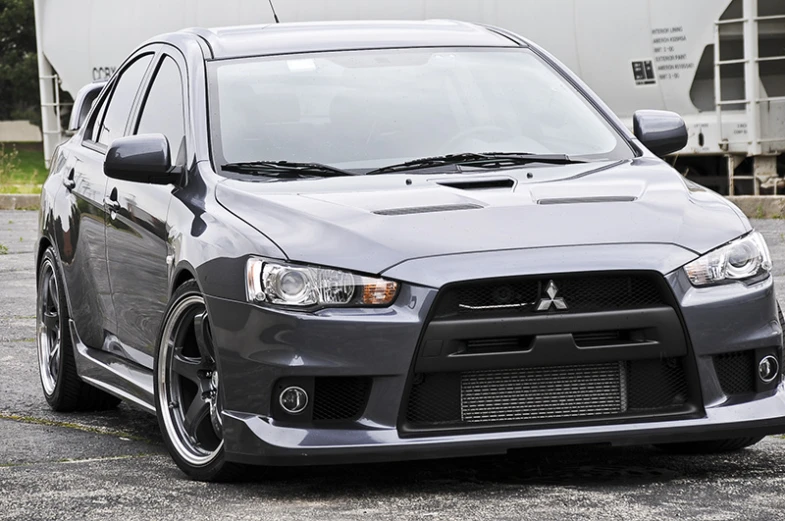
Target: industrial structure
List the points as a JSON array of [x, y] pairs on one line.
[[718, 63]]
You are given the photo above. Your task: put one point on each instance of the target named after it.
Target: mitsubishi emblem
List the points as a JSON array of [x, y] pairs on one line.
[[545, 303]]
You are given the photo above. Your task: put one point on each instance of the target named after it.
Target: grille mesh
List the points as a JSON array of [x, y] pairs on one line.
[[656, 384], [339, 398], [544, 392], [435, 398], [519, 295], [736, 372]]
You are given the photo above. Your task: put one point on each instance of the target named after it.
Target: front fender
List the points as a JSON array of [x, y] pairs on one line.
[[209, 243]]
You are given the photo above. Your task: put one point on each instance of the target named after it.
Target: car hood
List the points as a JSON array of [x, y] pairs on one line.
[[371, 223]]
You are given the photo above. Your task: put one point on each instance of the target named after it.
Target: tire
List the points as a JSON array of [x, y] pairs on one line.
[[187, 390], [63, 389], [718, 446], [710, 446]]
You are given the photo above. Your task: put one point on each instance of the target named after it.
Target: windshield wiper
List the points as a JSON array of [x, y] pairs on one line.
[[480, 160], [285, 169]]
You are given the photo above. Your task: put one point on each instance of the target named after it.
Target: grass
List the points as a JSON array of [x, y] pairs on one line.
[[22, 168]]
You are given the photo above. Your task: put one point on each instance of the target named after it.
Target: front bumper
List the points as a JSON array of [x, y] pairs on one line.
[[258, 347], [255, 440]]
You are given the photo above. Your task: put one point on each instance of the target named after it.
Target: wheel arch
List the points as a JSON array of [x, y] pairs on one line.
[[43, 244], [182, 274]]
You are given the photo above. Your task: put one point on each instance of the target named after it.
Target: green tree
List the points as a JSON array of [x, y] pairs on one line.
[[19, 97]]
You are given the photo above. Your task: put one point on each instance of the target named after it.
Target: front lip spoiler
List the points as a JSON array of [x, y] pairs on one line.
[[425, 448]]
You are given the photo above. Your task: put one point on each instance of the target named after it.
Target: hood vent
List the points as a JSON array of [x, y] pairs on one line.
[[597, 199], [481, 184], [427, 209]]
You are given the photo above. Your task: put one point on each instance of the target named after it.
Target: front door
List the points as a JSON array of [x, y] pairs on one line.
[[136, 233]]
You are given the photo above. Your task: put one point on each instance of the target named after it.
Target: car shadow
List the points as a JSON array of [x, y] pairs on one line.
[[584, 466], [601, 467]]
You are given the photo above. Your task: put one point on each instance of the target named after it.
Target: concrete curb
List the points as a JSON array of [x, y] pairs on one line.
[[760, 206], [753, 206], [19, 201]]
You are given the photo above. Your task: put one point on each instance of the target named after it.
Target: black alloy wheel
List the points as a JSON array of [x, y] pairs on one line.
[[63, 389], [188, 387]]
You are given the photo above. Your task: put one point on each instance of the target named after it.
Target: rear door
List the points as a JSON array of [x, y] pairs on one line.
[[136, 232], [85, 268]]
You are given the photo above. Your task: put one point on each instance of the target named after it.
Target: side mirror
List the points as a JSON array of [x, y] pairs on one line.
[[143, 159], [660, 131], [82, 105]]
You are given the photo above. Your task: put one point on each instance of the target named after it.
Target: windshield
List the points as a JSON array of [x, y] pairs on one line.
[[367, 109]]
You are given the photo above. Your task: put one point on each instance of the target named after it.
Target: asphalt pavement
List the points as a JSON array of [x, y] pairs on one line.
[[107, 466]]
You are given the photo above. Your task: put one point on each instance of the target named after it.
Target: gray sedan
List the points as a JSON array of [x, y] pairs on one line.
[[318, 243]]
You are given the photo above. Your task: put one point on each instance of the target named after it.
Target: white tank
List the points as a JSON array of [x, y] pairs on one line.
[[657, 54]]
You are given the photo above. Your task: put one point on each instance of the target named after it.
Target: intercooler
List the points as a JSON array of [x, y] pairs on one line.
[[533, 395], [571, 391]]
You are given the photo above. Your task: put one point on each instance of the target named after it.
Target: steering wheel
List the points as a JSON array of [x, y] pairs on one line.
[[494, 132]]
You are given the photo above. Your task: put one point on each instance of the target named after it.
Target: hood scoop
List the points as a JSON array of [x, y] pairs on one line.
[[576, 192], [427, 209], [480, 184]]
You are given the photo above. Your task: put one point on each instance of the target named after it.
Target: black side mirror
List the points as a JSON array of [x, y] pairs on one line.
[[82, 105], [660, 131], [143, 159]]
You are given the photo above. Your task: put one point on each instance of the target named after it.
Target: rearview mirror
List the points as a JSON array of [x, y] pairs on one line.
[[82, 105], [660, 131], [143, 159]]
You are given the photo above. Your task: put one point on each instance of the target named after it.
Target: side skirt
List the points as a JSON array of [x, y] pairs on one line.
[[110, 373]]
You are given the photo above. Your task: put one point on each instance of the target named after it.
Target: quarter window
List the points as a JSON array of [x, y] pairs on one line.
[[95, 125], [163, 109]]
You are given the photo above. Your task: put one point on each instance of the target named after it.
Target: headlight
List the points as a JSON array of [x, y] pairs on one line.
[[741, 259], [286, 284]]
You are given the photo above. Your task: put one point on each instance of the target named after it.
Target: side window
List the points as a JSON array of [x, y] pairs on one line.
[[162, 111], [112, 122]]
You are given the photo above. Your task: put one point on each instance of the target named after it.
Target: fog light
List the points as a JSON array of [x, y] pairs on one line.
[[293, 400], [768, 367]]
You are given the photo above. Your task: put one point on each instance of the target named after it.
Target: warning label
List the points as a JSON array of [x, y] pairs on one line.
[[670, 56], [643, 72]]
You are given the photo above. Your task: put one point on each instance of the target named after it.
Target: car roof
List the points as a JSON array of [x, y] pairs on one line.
[[290, 38]]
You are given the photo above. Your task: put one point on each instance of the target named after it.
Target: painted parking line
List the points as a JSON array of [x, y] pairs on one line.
[[76, 426]]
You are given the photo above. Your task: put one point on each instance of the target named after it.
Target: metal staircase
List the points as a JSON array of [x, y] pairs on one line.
[[760, 147]]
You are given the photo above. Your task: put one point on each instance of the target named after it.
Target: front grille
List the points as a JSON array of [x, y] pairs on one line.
[[608, 338], [339, 398], [519, 296], [546, 394], [736, 372], [497, 345]]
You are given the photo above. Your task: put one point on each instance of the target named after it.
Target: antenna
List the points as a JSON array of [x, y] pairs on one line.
[[274, 13]]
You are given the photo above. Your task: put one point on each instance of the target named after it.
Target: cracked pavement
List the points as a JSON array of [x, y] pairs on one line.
[[111, 465]]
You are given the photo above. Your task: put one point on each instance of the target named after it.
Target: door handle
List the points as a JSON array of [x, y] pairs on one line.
[[68, 181], [111, 204]]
